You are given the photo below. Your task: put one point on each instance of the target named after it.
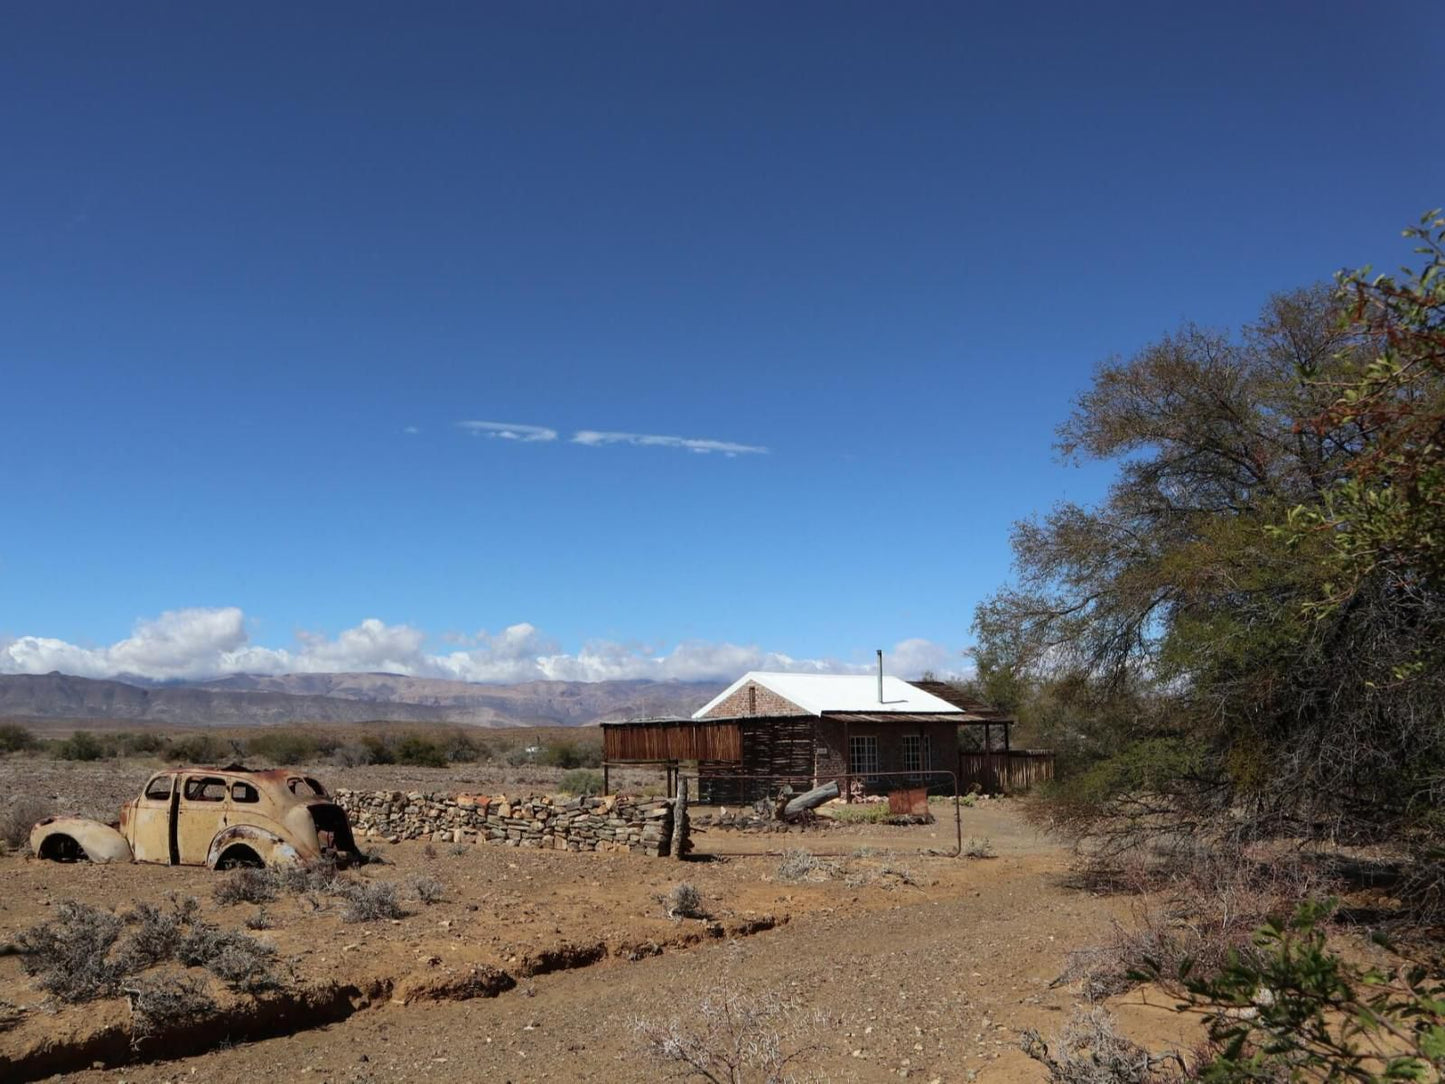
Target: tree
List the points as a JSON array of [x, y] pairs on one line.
[[1180, 619]]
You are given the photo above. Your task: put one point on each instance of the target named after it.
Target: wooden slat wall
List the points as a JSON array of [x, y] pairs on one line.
[[1003, 773], [672, 741], [779, 750]]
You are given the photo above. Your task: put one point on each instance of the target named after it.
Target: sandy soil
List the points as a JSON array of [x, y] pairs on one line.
[[922, 967]]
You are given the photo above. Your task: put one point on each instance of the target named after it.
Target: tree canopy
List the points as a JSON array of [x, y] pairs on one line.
[[1244, 636]]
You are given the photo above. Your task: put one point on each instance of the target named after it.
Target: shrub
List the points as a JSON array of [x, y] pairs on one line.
[[237, 959], [566, 754], [70, 953], [796, 866], [261, 920], [464, 749], [378, 749], [283, 747], [862, 813], [19, 817], [685, 901], [732, 1037], [82, 745], [197, 749], [161, 1001], [245, 886], [16, 739], [369, 901], [352, 755], [144, 744], [979, 848], [427, 889], [1292, 1009], [581, 782], [1091, 1051], [420, 752]]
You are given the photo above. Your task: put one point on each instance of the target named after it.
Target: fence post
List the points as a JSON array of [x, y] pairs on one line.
[[679, 818]]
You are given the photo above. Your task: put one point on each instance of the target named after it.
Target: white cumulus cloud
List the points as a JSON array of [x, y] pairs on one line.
[[194, 644], [527, 434]]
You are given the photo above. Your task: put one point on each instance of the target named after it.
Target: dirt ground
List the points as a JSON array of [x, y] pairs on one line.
[[917, 966]]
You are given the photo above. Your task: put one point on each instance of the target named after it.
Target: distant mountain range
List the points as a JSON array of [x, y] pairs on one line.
[[345, 698]]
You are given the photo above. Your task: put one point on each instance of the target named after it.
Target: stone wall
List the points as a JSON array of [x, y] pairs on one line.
[[613, 823]]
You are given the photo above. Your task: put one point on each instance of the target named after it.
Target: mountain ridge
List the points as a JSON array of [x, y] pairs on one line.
[[266, 699]]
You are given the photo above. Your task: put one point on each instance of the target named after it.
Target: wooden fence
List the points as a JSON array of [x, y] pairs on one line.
[[1004, 773]]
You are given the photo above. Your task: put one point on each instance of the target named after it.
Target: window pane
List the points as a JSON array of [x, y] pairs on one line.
[[205, 789], [159, 788]]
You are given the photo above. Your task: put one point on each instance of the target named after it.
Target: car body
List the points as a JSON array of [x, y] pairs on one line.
[[216, 817]]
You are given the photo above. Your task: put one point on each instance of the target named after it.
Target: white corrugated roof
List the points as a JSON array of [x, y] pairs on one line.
[[817, 693]]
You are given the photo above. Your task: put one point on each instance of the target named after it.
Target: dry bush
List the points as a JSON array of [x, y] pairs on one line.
[[685, 901], [237, 959], [1200, 912], [369, 901], [261, 920], [456, 850], [246, 886], [979, 848], [733, 1038], [70, 953], [427, 889], [797, 866], [160, 1002], [158, 933], [1090, 1051], [19, 817]]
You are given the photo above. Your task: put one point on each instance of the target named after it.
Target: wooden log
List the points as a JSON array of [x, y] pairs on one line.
[[679, 819], [815, 797]]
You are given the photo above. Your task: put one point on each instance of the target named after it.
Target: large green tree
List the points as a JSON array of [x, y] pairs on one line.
[[1197, 640]]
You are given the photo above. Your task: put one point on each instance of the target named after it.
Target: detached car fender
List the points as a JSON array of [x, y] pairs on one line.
[[69, 839]]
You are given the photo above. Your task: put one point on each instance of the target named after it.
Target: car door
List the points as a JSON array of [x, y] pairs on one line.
[[200, 814], [150, 834]]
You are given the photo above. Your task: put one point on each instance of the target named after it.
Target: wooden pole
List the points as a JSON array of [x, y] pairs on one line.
[[679, 819]]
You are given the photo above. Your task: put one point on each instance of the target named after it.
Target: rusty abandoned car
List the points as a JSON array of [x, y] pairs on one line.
[[216, 817]]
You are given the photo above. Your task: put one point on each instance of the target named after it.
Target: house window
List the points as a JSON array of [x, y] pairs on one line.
[[863, 754], [917, 752]]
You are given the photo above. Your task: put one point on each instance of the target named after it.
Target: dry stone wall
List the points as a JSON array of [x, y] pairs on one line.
[[614, 823]]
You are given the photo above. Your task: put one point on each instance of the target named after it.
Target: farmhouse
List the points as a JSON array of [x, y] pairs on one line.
[[869, 732]]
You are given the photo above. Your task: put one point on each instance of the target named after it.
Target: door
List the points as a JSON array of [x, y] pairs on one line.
[[200, 814], [150, 836]]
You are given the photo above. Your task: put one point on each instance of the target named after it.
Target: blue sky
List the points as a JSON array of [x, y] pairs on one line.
[[257, 265]]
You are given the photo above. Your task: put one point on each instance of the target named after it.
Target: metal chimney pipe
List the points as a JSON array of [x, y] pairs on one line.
[[880, 675]]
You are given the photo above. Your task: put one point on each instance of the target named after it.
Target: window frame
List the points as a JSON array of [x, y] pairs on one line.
[[169, 777], [198, 783], [869, 744], [917, 753]]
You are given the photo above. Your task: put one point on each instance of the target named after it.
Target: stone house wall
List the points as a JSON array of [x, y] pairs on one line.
[[754, 699]]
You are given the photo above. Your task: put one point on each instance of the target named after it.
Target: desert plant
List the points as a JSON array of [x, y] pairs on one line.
[[1091, 1051], [82, 745], [245, 886], [15, 738], [457, 849], [238, 960], [421, 752], [568, 754], [427, 889], [581, 782], [979, 848], [70, 953], [369, 901], [20, 816], [162, 1001], [1293, 1009], [684, 901], [261, 920], [732, 1038], [796, 866], [861, 813]]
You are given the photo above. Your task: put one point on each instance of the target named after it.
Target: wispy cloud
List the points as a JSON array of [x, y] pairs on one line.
[[206, 643], [411, 430], [527, 434], [593, 438]]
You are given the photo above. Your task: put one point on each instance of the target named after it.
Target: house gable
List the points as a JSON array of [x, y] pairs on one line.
[[748, 699]]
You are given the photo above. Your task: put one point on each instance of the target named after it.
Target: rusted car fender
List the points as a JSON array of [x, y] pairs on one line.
[[69, 839], [268, 847]]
